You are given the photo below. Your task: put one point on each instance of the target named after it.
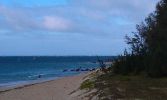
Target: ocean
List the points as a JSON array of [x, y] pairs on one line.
[[28, 69]]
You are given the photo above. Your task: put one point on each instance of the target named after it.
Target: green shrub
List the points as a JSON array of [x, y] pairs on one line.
[[87, 84]]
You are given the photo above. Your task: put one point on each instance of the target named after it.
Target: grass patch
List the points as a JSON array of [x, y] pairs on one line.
[[112, 87], [131, 87], [87, 84]]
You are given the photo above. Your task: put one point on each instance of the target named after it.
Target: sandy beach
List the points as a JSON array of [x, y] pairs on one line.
[[60, 89]]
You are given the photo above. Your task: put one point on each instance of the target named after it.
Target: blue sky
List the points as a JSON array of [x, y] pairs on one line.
[[69, 27], [32, 3]]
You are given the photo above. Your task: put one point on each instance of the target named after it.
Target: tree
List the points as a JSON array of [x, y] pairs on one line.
[[158, 40], [148, 45]]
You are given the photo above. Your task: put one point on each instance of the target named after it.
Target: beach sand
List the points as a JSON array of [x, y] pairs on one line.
[[60, 89]]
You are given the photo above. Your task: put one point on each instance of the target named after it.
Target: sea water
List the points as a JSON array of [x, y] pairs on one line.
[[23, 70]]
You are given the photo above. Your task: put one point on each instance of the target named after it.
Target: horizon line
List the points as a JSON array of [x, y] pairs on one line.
[[52, 55]]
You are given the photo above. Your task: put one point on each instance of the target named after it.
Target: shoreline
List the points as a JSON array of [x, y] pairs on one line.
[[22, 84], [25, 84], [61, 87]]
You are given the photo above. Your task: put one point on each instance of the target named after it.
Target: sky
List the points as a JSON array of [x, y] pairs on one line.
[[69, 27]]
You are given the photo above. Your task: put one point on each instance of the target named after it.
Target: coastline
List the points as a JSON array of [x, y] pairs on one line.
[[18, 84], [22, 84], [49, 90]]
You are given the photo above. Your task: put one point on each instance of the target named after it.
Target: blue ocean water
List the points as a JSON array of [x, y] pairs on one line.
[[15, 70]]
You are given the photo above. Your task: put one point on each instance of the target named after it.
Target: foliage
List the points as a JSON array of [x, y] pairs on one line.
[[87, 84], [148, 46]]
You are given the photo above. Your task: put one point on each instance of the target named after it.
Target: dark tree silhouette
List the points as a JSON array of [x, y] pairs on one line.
[[148, 46]]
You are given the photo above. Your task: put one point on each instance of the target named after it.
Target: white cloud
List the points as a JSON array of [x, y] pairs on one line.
[[79, 16], [87, 26], [55, 23]]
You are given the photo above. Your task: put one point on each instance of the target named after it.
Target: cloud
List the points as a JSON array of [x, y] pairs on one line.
[[89, 27], [16, 19], [78, 16], [55, 23]]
